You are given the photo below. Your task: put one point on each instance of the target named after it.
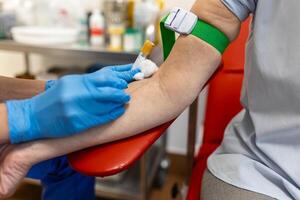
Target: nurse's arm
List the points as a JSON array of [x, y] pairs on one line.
[[12, 88], [160, 98]]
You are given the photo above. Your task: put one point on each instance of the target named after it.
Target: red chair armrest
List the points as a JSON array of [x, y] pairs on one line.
[[112, 158]]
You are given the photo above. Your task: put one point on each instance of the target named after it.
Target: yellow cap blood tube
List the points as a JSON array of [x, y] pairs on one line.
[[144, 53]]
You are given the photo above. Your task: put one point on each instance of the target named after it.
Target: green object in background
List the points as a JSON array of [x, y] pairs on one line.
[[2, 35], [131, 31], [131, 42], [83, 37]]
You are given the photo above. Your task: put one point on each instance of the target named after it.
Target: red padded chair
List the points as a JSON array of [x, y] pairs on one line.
[[223, 103]]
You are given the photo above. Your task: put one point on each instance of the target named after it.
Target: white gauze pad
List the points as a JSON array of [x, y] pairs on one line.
[[148, 68]]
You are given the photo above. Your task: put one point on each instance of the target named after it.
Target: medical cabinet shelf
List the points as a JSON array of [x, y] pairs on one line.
[[70, 52]]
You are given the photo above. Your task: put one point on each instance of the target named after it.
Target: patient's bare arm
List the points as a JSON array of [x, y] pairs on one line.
[[161, 98]]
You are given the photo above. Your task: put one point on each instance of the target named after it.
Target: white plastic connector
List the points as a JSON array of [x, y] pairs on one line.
[[181, 21]]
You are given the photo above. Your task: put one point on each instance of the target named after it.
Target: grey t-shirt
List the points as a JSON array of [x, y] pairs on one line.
[[261, 147]]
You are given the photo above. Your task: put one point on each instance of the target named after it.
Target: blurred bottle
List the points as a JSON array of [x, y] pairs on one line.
[[115, 12], [97, 26], [83, 36], [130, 13], [7, 21], [25, 11], [116, 32], [62, 13], [144, 53], [145, 18], [131, 42], [161, 6]]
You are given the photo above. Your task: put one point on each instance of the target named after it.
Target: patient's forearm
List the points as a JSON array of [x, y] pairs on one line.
[[157, 100]]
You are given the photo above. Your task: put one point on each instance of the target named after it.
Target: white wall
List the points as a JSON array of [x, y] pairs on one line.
[[180, 3], [13, 63]]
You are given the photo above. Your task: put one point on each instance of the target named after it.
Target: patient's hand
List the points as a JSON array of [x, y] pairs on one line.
[[14, 166]]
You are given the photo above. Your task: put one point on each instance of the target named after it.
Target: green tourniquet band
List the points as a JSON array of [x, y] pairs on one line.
[[168, 37], [202, 30], [211, 35]]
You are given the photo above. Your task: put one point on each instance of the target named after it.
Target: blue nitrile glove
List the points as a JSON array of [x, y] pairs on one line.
[[73, 104], [49, 84]]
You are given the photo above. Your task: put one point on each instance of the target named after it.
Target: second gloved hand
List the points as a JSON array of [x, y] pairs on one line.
[[73, 104]]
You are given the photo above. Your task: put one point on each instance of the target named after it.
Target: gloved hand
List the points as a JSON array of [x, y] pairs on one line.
[[49, 84], [73, 104]]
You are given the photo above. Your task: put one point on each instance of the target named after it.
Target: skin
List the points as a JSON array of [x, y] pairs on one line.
[[174, 87]]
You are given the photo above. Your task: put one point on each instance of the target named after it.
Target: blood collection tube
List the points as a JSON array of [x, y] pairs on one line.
[[144, 53]]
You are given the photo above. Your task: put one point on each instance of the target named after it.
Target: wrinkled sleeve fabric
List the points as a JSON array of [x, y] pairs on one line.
[[241, 8]]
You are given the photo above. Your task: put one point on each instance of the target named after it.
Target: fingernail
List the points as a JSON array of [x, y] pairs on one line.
[[127, 98], [123, 84]]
